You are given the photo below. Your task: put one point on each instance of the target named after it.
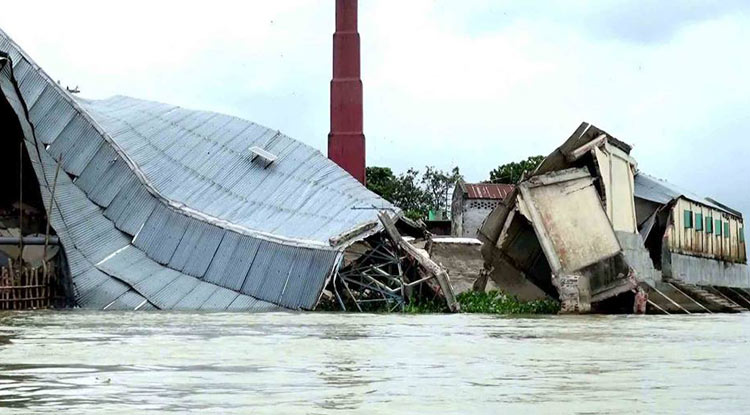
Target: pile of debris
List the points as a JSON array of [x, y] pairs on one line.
[[577, 230], [385, 271]]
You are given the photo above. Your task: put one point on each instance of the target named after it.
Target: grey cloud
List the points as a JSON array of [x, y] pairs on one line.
[[657, 21], [642, 22]]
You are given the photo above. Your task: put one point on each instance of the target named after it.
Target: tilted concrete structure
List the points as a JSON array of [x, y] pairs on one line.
[[587, 227]]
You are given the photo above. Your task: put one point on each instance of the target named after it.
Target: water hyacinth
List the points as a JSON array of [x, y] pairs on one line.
[[495, 302], [491, 302]]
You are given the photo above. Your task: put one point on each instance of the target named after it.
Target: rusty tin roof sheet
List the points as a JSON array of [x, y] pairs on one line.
[[488, 190]]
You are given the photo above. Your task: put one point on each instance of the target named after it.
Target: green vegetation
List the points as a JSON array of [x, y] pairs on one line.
[[511, 173], [492, 302], [416, 195], [426, 307]]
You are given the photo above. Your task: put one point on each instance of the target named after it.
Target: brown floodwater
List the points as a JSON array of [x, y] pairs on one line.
[[75, 362]]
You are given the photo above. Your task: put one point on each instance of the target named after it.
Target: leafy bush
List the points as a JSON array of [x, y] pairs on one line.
[[494, 302]]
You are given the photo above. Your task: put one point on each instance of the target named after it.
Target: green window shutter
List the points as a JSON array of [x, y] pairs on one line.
[[726, 230], [709, 224], [688, 219], [718, 227], [742, 235], [699, 222]]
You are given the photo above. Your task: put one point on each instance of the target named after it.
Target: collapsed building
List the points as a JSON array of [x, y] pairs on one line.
[[588, 228], [161, 207]]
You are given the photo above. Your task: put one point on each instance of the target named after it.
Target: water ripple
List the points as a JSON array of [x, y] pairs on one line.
[[81, 362]]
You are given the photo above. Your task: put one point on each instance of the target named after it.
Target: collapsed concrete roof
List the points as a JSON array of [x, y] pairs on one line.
[[164, 207]]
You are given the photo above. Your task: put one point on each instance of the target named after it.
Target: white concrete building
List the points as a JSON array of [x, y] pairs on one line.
[[471, 204]]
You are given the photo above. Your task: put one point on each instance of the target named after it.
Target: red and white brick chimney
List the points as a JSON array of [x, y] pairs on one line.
[[346, 141]]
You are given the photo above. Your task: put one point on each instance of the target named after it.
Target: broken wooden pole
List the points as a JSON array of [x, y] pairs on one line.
[[429, 266]]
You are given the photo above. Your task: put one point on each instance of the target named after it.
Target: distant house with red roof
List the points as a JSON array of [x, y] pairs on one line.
[[471, 204]]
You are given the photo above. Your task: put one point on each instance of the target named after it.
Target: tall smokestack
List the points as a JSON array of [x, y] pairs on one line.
[[346, 142]]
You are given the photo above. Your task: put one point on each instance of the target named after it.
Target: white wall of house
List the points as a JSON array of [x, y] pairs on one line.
[[469, 214]]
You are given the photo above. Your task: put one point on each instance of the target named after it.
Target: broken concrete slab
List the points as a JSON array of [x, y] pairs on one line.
[[461, 257]]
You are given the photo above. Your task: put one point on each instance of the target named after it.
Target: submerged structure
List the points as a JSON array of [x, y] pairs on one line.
[[160, 207], [590, 229]]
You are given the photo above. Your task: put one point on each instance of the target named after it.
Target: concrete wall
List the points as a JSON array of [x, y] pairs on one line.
[[457, 228], [704, 271], [509, 280], [462, 258], [457, 203], [469, 214], [567, 215], [474, 213], [637, 256]]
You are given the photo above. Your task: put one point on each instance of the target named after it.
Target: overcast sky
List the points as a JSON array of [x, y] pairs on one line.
[[468, 83]]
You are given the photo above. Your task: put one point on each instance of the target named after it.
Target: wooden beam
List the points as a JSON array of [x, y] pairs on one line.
[[430, 267], [586, 148]]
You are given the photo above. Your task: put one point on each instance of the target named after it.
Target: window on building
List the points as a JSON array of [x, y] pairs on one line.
[[742, 235], [699, 222], [717, 227], [726, 230], [688, 219], [709, 224]]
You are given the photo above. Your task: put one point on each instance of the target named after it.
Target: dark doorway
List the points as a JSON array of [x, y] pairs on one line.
[[21, 206]]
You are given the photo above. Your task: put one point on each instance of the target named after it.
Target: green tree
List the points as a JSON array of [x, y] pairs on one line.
[[438, 185], [382, 181], [511, 173], [414, 194], [410, 197], [403, 191]]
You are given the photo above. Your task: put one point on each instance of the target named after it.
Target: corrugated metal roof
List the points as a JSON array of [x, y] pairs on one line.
[[488, 190], [165, 204], [661, 191], [212, 153]]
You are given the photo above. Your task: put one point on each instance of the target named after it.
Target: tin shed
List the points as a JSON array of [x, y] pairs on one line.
[[162, 207]]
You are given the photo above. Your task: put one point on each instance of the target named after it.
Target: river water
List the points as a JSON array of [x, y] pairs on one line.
[[77, 362]]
